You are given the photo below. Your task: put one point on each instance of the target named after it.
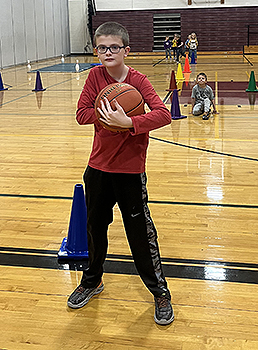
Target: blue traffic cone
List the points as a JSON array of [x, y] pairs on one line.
[[38, 85], [75, 246], [175, 108], [1, 84], [193, 61]]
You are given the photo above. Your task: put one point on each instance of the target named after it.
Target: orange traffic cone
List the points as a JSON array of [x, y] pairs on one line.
[[187, 68], [187, 78]]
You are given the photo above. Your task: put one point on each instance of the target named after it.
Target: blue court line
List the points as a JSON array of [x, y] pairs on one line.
[[221, 205], [203, 149], [16, 99]]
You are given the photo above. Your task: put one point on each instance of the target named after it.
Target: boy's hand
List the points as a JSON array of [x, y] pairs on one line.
[[114, 118], [215, 111]]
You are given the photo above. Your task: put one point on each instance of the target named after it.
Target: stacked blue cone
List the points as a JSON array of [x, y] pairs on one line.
[[1, 84], [75, 246], [38, 85], [175, 108]]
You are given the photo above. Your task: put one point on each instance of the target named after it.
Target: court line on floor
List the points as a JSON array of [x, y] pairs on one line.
[[222, 205], [123, 257], [203, 149], [33, 92], [123, 264]]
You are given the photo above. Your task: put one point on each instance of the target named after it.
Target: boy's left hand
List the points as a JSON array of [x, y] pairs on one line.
[[114, 118]]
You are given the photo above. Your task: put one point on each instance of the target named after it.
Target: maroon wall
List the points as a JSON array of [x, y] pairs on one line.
[[217, 29]]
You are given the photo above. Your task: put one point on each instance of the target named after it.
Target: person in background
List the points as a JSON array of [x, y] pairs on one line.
[[193, 44], [186, 44], [167, 48], [179, 49], [174, 46]]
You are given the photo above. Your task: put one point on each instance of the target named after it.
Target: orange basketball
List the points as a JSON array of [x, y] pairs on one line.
[[127, 96]]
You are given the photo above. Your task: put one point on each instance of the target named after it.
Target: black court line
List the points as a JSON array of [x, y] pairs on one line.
[[167, 97], [247, 60], [123, 264], [219, 205], [155, 64], [49, 252], [203, 149]]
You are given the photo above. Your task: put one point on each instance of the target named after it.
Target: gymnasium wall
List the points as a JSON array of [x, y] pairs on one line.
[[79, 26], [114, 5], [33, 30], [218, 29]]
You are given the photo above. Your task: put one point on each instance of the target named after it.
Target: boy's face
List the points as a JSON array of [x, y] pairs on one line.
[[109, 59], [201, 80]]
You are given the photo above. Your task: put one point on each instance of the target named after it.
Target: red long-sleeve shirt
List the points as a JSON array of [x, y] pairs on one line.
[[121, 152]]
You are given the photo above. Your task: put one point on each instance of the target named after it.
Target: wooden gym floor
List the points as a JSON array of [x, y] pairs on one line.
[[202, 182]]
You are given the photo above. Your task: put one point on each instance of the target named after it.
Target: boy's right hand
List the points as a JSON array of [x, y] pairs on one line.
[[114, 118]]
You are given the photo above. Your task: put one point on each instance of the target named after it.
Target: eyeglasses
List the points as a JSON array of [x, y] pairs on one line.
[[113, 49]]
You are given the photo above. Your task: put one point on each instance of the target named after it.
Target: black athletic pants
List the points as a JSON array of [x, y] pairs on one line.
[[103, 191]]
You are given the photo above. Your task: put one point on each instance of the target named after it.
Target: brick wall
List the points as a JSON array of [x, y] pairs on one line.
[[217, 29]]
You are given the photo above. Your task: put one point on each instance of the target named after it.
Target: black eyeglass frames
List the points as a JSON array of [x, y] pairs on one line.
[[113, 48]]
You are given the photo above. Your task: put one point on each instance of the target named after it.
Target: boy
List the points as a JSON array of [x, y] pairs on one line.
[[202, 97], [174, 46], [167, 48], [116, 172]]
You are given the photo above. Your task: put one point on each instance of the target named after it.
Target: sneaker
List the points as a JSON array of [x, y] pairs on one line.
[[80, 296], [206, 115], [164, 314]]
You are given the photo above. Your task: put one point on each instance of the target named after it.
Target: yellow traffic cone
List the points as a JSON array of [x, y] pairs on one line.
[[179, 73]]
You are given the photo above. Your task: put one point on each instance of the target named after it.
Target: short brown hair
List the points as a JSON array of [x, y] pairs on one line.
[[114, 29], [203, 74]]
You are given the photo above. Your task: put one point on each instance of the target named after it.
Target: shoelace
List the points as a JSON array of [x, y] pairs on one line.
[[80, 289], [162, 302]]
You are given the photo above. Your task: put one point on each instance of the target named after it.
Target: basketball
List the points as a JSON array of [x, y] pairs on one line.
[[127, 96]]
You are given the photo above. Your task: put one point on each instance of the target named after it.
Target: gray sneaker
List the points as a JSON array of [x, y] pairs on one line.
[[164, 314], [80, 296], [206, 115]]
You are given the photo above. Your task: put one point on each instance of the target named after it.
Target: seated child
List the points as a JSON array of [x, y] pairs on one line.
[[202, 97]]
